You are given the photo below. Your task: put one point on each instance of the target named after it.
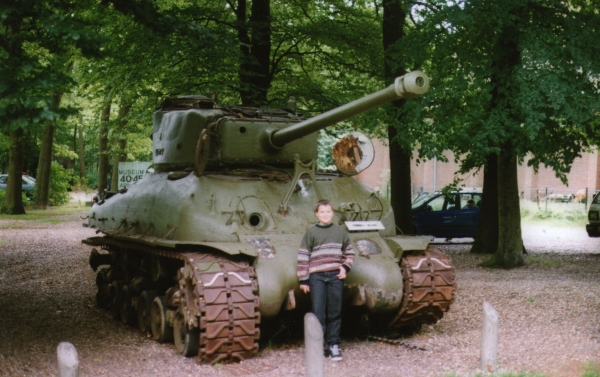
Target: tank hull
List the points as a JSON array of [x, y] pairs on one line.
[[203, 250], [238, 215]]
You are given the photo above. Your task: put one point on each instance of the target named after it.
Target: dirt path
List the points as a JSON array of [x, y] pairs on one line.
[[548, 311]]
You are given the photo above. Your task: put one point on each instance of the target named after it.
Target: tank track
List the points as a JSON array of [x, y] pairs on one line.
[[210, 299], [429, 288], [223, 304]]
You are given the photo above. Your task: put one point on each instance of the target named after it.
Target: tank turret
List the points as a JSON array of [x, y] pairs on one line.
[[205, 136], [202, 251]]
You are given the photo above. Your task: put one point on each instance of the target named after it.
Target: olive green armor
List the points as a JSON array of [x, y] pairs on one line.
[[203, 250]]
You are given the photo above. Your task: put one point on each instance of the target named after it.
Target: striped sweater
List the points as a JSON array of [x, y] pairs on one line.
[[324, 248]]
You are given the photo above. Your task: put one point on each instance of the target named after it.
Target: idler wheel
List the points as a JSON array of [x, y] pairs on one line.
[[162, 332], [143, 310], [126, 313], [186, 341]]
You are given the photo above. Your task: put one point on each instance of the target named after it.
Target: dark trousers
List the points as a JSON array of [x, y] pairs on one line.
[[326, 297]]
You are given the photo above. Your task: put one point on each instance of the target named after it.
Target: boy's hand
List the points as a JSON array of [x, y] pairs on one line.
[[305, 288], [342, 274]]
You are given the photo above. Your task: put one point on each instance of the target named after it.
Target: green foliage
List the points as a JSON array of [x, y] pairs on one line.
[[59, 185], [522, 74], [27, 201], [38, 37], [92, 179]]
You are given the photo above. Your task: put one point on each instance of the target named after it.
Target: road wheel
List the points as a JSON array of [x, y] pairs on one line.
[[126, 313], [162, 331], [186, 341], [143, 310]]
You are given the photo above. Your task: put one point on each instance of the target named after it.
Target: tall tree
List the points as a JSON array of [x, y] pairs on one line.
[[103, 151], [42, 185], [514, 78], [394, 18], [119, 144], [30, 33], [13, 203], [486, 241], [255, 45], [81, 149]]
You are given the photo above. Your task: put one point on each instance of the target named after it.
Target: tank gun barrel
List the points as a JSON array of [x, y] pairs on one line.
[[407, 86]]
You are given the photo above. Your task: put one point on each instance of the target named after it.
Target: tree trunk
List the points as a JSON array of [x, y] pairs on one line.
[[401, 187], [509, 253], [510, 241], [42, 184], [120, 144], [103, 150], [394, 16], [13, 202], [255, 45], [81, 151], [486, 240]]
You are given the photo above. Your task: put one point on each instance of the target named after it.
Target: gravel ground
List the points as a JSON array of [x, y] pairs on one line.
[[548, 314]]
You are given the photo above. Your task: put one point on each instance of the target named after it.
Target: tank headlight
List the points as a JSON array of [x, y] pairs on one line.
[[366, 247], [593, 215]]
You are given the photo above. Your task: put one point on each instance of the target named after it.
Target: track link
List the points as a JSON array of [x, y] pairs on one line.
[[217, 295], [221, 298], [429, 288]]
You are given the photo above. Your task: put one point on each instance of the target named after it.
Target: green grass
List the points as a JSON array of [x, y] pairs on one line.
[[590, 370], [566, 214], [536, 259], [52, 215]]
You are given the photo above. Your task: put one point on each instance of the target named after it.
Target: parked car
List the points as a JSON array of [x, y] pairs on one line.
[[28, 183], [452, 215], [593, 228], [562, 198]]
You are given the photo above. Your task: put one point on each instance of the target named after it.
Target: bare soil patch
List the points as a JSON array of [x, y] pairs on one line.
[[549, 315]]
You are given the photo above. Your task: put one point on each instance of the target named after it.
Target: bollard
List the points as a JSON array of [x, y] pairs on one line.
[[313, 346], [489, 339], [68, 362]]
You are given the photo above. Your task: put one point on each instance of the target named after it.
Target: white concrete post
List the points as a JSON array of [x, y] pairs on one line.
[[489, 339], [68, 362], [313, 346]]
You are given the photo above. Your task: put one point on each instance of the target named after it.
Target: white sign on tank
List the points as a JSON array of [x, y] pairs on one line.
[[131, 172]]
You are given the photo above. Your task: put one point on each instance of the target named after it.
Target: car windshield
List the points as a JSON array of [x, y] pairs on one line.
[[422, 199]]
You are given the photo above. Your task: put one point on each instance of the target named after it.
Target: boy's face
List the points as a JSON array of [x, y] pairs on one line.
[[324, 214]]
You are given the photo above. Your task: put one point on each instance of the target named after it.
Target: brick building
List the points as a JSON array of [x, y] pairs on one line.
[[432, 175]]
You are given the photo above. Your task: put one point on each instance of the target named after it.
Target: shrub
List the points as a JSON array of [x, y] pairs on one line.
[[26, 200], [59, 185], [92, 179]]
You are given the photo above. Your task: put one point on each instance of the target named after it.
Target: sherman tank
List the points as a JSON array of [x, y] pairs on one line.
[[202, 251]]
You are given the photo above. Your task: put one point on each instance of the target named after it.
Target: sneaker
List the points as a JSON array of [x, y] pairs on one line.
[[334, 353]]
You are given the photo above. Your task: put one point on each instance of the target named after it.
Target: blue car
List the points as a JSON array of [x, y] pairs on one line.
[[28, 184], [453, 215]]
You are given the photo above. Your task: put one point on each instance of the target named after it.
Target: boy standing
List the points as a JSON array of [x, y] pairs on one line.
[[324, 258]]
